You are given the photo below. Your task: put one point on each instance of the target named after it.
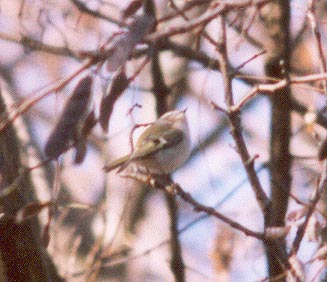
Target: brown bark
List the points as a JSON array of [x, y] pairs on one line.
[[23, 258], [276, 17]]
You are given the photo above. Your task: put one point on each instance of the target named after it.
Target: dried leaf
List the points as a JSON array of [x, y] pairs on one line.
[[30, 210], [123, 45], [322, 150], [65, 132], [119, 52], [80, 152], [89, 123], [140, 27], [80, 147], [46, 235], [132, 8], [117, 87]]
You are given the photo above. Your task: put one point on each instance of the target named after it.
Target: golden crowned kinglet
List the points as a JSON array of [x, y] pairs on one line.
[[162, 148]]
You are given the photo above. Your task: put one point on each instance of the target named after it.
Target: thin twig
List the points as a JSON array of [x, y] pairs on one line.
[[37, 45], [236, 129], [222, 8], [28, 104], [317, 39], [83, 8], [310, 209]]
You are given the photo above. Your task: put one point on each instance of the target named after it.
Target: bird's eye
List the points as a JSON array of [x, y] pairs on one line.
[[156, 141]]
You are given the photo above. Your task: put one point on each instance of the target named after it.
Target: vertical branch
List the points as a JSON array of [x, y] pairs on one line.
[[22, 256], [223, 61], [235, 121], [277, 253], [161, 92], [176, 263], [276, 18], [233, 114]]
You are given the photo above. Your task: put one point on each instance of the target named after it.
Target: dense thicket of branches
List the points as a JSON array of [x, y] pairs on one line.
[[79, 78]]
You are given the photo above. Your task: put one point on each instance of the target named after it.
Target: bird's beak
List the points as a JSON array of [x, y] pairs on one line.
[[184, 111]]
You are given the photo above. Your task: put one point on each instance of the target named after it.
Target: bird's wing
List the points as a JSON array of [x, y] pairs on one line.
[[154, 143], [116, 163]]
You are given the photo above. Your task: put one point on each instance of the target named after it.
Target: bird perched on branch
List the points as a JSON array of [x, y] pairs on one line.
[[162, 148]]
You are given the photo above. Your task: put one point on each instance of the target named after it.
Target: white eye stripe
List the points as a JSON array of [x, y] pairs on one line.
[[160, 140], [163, 140]]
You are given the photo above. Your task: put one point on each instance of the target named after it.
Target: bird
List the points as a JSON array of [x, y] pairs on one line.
[[161, 149]]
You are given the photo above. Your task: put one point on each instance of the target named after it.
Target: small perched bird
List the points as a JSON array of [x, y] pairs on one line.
[[162, 148]]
